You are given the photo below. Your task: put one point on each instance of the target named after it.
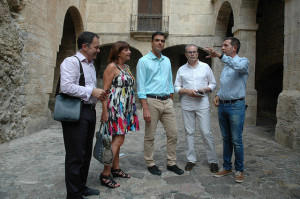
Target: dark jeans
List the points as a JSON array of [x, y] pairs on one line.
[[231, 121], [78, 140]]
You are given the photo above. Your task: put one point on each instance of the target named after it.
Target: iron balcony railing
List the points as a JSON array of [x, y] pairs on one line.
[[146, 22]]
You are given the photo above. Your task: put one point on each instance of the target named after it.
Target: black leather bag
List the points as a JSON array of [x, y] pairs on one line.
[[102, 149], [68, 108]]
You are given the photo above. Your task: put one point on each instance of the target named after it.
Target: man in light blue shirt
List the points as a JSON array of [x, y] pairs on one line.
[[230, 101], [154, 76], [155, 91]]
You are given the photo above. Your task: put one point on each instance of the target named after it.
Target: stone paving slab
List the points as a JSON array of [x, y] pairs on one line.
[[33, 167]]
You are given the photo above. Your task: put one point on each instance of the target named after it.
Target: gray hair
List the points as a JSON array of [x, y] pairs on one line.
[[189, 45]]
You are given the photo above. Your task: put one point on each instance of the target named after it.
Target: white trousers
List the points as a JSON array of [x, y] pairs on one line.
[[203, 118]]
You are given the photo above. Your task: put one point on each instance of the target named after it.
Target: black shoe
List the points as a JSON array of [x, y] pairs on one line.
[[90, 192], [189, 166], [154, 170], [214, 167], [175, 169]]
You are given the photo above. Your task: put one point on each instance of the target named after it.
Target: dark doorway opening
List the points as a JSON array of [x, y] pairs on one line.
[[269, 60]]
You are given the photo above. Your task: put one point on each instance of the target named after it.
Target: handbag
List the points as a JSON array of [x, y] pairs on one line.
[[68, 108], [102, 149]]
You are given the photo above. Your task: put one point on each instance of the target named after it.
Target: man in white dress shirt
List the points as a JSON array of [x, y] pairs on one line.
[[78, 136], [193, 81]]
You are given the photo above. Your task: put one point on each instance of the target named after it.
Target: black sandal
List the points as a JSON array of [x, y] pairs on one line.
[[119, 173], [108, 181]]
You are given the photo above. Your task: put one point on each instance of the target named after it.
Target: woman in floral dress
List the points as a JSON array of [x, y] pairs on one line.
[[119, 110]]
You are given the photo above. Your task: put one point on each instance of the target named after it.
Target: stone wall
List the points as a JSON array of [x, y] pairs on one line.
[[191, 18], [12, 73], [287, 130], [189, 22], [44, 26], [31, 33]]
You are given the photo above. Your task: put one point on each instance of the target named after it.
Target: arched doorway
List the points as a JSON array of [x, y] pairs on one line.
[[269, 60], [224, 24], [241, 21], [71, 29]]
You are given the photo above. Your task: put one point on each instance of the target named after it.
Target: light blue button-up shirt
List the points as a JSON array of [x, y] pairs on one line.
[[154, 76], [233, 78]]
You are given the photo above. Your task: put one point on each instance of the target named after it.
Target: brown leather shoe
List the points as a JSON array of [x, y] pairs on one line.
[[189, 166], [214, 167], [239, 176], [223, 172]]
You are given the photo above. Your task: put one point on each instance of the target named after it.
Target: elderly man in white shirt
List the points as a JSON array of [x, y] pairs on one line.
[[193, 81]]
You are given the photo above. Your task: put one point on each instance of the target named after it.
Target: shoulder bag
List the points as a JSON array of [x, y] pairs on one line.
[[68, 108]]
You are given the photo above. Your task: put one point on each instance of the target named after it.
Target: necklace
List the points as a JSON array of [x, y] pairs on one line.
[[123, 67], [125, 70]]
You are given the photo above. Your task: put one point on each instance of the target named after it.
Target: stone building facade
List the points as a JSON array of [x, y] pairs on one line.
[[35, 36]]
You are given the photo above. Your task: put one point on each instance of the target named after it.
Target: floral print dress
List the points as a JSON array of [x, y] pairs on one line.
[[121, 104]]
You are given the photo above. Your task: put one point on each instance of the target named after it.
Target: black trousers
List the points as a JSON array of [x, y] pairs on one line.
[[78, 140]]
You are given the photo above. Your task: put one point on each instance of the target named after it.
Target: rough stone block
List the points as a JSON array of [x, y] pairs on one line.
[[287, 130]]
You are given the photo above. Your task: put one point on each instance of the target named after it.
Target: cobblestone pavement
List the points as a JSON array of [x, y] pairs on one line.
[[33, 167]]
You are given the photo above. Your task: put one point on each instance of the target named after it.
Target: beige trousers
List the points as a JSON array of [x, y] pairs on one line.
[[161, 110]]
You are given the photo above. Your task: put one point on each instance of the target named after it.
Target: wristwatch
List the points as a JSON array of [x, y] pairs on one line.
[[221, 56]]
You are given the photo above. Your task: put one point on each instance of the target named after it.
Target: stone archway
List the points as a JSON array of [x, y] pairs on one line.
[[269, 60], [223, 28], [242, 17], [224, 23], [72, 27]]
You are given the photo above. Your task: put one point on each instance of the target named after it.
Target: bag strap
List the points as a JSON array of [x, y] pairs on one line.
[[105, 128], [57, 87], [81, 78], [99, 132]]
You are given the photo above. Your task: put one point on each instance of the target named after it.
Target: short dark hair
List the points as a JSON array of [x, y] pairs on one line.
[[157, 33], [116, 50], [234, 42], [86, 38]]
